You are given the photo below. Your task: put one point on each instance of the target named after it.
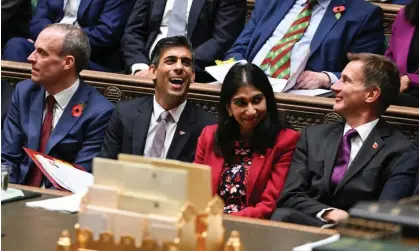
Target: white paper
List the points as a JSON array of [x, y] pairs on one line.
[[279, 85], [310, 246], [314, 92], [11, 193], [67, 176], [69, 203]]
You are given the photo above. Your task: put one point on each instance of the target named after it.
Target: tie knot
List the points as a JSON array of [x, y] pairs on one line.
[[50, 101], [166, 116], [311, 3], [351, 133]]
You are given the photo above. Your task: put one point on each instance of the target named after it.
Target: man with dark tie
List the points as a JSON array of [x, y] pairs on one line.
[[54, 112], [165, 125], [212, 26], [336, 165]]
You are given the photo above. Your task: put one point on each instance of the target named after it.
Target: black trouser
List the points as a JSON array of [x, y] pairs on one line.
[[408, 98]]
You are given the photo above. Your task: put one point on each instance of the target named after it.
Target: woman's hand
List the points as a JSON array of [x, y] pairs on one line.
[[404, 83]]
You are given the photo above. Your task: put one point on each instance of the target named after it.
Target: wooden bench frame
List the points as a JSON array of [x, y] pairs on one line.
[[300, 110]]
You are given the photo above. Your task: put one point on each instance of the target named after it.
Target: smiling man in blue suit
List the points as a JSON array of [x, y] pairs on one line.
[[55, 112], [280, 33]]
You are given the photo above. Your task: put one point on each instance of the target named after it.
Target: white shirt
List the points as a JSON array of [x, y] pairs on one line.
[[164, 28], [300, 48], [70, 12], [356, 144], [61, 101], [170, 130]]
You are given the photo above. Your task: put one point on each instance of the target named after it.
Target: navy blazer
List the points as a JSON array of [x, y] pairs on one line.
[[128, 128], [213, 26], [102, 20], [359, 29], [74, 139], [403, 176]]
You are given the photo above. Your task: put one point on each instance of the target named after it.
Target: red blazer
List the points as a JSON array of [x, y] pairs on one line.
[[266, 176]]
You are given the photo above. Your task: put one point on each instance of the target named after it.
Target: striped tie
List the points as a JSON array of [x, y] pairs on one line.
[[278, 58]]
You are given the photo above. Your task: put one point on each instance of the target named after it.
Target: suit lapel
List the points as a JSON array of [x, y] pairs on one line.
[[326, 24], [254, 170], [183, 131], [193, 15], [281, 9], [67, 120], [140, 127], [372, 145], [331, 150], [157, 12], [36, 117], [82, 8], [216, 170]]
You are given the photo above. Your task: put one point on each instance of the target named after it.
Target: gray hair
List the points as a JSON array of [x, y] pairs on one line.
[[76, 43]]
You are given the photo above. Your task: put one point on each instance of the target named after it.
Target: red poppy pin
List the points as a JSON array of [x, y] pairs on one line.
[[338, 10], [375, 145], [77, 110]]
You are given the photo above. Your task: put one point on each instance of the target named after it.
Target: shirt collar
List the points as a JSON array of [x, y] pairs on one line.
[[175, 112], [322, 3], [363, 130], [63, 97]]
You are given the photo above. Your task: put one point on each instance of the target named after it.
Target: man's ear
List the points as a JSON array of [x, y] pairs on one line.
[[69, 62], [152, 71], [193, 76], [373, 95]]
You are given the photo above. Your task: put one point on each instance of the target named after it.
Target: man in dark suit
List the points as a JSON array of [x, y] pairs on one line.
[[404, 176], [102, 20], [55, 112], [328, 29], [211, 25], [166, 125], [15, 18], [336, 165]]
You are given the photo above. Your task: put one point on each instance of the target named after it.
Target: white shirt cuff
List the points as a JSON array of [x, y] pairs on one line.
[[320, 214], [138, 67], [332, 77]]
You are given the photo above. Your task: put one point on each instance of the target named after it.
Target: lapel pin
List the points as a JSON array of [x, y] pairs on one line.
[[181, 133], [375, 145]]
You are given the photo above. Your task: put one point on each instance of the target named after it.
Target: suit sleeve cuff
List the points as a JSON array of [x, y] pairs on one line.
[[138, 67], [320, 214], [332, 78]]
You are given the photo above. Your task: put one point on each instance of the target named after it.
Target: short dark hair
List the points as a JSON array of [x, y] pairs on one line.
[[228, 130], [382, 73], [168, 42], [411, 12], [76, 43]]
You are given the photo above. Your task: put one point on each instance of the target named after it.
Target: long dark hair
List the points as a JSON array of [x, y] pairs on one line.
[[228, 130], [411, 12]]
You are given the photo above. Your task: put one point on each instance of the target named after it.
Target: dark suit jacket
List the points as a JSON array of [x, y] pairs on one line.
[[308, 187], [15, 18], [128, 128], [213, 26], [266, 176], [403, 177], [359, 29], [399, 46], [102, 20], [74, 139]]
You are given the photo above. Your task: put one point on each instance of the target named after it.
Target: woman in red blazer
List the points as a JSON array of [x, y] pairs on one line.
[[250, 149]]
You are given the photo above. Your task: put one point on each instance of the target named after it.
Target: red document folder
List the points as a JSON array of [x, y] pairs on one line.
[[33, 155]]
